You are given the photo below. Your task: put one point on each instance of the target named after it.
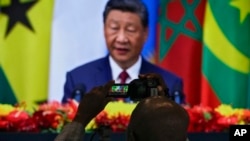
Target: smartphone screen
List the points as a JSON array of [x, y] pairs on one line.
[[119, 90]]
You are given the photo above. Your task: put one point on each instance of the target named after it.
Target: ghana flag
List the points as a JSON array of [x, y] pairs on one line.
[[226, 53], [180, 42], [24, 50]]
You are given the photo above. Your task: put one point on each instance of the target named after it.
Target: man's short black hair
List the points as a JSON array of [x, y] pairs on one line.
[[158, 118], [134, 6]]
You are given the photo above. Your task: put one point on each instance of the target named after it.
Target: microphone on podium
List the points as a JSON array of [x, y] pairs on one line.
[[78, 92]]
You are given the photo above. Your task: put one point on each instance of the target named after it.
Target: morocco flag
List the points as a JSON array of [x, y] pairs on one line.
[[180, 43], [226, 53]]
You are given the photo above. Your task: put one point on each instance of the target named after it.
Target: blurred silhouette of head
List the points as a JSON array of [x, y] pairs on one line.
[[158, 118]]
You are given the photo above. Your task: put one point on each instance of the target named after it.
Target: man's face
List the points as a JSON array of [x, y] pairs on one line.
[[125, 36]]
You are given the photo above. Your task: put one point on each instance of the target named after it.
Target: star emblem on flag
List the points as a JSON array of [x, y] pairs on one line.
[[243, 6], [17, 12]]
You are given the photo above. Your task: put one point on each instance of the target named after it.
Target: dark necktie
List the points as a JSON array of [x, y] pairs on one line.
[[123, 76]]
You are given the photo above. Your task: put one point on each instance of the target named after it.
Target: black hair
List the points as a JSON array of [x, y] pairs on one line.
[[158, 118], [134, 6]]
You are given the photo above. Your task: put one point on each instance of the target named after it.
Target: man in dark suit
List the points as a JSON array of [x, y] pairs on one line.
[[125, 31]]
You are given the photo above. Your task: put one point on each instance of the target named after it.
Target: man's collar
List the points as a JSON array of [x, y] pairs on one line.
[[133, 71]]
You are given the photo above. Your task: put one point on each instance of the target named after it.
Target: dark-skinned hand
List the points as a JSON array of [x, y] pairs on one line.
[[162, 87], [93, 103]]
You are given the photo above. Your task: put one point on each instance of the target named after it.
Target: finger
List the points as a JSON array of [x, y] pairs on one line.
[[161, 91], [96, 89], [158, 77], [109, 83], [108, 86], [149, 75], [141, 76]]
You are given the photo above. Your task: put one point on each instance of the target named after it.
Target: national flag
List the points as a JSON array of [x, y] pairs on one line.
[[24, 50], [180, 43], [226, 53]]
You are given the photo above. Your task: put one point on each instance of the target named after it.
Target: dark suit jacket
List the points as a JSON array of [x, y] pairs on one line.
[[98, 72]]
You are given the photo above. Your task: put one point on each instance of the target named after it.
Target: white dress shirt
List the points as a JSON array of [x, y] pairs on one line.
[[133, 71]]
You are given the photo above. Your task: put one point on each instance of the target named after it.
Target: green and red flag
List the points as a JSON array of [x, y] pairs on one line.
[[226, 53], [24, 50], [180, 42]]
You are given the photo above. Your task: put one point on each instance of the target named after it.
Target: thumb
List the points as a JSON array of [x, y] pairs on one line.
[[108, 86]]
